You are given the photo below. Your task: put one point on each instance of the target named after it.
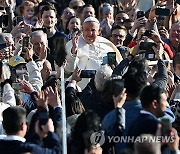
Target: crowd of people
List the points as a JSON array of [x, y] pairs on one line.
[[121, 65]]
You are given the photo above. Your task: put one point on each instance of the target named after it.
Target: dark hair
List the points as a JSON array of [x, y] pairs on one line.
[[13, 117], [140, 64], [113, 86], [86, 5], [176, 59], [128, 20], [48, 8], [134, 81], [45, 3], [88, 120], [67, 30], [150, 93], [75, 106], [87, 123], [119, 27]]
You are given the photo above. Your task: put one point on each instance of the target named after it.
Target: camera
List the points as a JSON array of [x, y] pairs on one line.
[[4, 20], [147, 45], [111, 56], [43, 118], [140, 14], [51, 81], [87, 73], [148, 33], [149, 53]]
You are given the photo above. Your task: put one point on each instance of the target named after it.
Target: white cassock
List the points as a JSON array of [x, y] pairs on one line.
[[89, 56]]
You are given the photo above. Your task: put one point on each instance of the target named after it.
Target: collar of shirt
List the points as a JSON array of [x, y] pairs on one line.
[[14, 138], [146, 112]]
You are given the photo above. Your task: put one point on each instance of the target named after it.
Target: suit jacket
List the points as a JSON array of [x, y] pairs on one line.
[[51, 146]]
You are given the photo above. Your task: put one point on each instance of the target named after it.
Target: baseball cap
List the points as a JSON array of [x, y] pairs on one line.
[[16, 60]]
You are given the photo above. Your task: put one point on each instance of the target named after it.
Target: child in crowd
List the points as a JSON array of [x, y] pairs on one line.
[[107, 19], [74, 25], [27, 11]]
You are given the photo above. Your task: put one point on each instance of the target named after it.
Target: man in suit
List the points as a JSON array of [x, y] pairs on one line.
[[14, 123], [154, 103]]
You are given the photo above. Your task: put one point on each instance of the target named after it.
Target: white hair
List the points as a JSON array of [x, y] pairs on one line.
[[40, 33], [102, 75]]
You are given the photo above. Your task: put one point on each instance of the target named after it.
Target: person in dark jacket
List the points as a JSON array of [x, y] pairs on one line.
[[154, 104], [14, 123], [91, 96]]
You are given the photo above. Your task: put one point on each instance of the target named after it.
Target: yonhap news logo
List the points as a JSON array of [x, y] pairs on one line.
[[97, 138]]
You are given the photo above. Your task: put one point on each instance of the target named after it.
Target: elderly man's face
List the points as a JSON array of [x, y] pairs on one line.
[[10, 44], [38, 41], [174, 34], [90, 31]]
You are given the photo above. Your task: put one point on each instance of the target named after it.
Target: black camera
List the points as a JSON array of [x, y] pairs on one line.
[[147, 45], [148, 33], [51, 81], [140, 14], [4, 20], [149, 53], [87, 73]]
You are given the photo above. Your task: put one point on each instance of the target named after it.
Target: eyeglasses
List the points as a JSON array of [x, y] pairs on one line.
[[76, 7], [116, 35]]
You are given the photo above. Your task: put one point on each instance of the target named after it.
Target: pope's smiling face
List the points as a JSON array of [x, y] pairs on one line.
[[90, 31]]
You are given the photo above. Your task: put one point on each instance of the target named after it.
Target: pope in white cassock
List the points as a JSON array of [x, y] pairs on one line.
[[88, 50]]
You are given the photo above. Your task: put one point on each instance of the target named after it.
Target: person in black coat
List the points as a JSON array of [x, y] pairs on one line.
[[14, 123]]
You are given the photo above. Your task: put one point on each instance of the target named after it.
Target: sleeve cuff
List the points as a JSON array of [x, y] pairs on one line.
[[71, 85]]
